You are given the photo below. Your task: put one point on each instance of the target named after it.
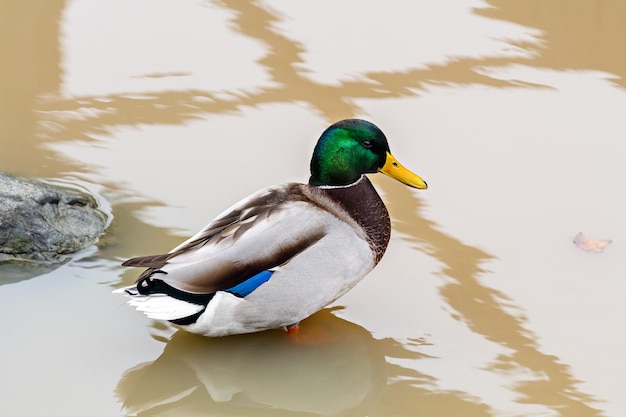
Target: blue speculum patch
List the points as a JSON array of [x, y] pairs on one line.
[[248, 286]]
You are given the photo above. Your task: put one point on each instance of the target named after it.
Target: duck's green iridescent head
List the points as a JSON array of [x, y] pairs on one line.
[[351, 148]]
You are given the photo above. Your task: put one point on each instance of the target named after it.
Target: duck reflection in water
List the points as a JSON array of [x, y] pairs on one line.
[[329, 367]]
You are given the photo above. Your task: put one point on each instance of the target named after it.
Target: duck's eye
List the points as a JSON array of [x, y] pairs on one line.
[[367, 144]]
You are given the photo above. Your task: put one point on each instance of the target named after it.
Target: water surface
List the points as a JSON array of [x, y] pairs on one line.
[[512, 111]]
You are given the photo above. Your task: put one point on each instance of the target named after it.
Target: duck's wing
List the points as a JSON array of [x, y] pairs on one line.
[[257, 234]]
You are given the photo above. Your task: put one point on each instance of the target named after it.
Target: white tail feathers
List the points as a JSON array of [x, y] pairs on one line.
[[160, 306]]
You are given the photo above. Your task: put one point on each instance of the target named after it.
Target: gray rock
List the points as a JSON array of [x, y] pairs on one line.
[[44, 223]]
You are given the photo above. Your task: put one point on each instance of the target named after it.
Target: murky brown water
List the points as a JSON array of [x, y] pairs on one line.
[[514, 112]]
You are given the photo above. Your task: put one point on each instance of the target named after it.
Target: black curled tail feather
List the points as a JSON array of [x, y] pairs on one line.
[[150, 285]]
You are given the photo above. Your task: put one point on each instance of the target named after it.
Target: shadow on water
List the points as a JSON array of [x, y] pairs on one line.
[[583, 38], [582, 34], [292, 85], [577, 35], [332, 367], [30, 70], [487, 312]]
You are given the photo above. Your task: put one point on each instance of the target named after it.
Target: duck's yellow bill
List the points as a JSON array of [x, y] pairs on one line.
[[395, 170]]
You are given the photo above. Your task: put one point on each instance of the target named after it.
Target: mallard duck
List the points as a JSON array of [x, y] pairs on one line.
[[283, 253]]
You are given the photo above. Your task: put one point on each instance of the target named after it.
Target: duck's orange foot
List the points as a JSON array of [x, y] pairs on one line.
[[311, 334], [293, 328]]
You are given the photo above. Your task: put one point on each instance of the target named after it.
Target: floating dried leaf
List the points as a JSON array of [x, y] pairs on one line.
[[590, 245]]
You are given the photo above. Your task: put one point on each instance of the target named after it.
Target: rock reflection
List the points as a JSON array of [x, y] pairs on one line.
[[16, 271], [492, 314]]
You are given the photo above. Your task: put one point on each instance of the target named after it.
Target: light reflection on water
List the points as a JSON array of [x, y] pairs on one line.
[[140, 108]]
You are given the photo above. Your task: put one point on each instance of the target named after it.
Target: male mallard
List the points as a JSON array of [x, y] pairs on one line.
[[283, 253]]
